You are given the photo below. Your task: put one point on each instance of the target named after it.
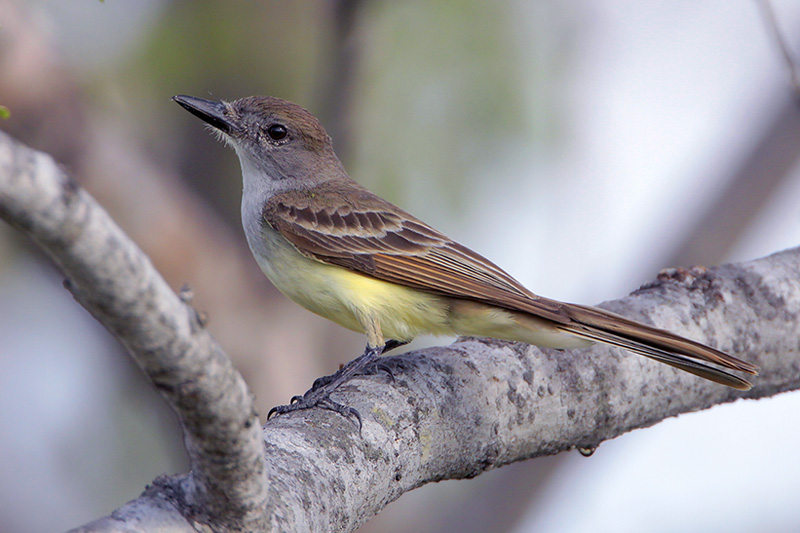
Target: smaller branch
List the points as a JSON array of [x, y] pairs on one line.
[[144, 514], [111, 277]]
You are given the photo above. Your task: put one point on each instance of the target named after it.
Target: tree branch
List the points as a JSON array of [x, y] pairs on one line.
[[109, 276], [451, 412]]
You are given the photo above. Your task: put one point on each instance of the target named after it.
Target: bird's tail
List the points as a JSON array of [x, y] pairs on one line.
[[599, 325]]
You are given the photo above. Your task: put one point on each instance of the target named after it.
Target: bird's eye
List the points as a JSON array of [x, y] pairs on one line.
[[277, 132]]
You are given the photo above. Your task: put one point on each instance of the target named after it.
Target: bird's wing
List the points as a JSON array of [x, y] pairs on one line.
[[366, 234], [348, 226]]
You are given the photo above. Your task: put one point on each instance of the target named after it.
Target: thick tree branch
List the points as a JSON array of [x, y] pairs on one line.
[[108, 274], [451, 412]]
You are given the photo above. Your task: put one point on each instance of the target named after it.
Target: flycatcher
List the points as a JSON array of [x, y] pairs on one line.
[[350, 256]]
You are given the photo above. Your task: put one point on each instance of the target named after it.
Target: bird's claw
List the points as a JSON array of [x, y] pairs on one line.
[[308, 401]]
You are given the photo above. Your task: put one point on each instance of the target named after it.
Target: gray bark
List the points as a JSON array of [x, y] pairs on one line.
[[450, 412]]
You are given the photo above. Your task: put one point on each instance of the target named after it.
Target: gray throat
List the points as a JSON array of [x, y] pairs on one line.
[[257, 189]]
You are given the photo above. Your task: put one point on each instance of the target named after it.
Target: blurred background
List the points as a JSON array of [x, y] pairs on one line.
[[618, 138]]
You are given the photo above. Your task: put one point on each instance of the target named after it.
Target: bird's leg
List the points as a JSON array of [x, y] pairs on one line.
[[374, 342], [368, 368], [391, 344], [319, 393]]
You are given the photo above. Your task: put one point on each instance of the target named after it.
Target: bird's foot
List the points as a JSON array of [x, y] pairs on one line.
[[314, 399], [319, 395], [391, 344], [378, 366]]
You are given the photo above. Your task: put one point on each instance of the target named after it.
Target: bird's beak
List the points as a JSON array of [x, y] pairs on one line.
[[209, 111]]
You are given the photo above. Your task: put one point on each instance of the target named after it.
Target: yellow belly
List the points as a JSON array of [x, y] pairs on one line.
[[384, 310], [350, 299]]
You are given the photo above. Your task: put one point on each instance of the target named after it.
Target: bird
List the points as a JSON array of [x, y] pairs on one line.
[[348, 255]]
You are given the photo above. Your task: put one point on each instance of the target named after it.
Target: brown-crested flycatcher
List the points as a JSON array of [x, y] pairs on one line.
[[352, 257]]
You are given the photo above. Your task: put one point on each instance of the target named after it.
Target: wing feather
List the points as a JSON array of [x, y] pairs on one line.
[[380, 240]]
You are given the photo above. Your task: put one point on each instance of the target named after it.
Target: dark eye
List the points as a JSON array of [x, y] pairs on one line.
[[277, 132]]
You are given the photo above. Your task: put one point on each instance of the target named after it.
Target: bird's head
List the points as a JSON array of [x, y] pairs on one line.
[[275, 140]]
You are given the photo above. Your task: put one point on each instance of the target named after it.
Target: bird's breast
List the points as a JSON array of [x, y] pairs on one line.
[[348, 298]]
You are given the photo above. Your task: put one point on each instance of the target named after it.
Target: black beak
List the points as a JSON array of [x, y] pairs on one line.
[[211, 112]]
